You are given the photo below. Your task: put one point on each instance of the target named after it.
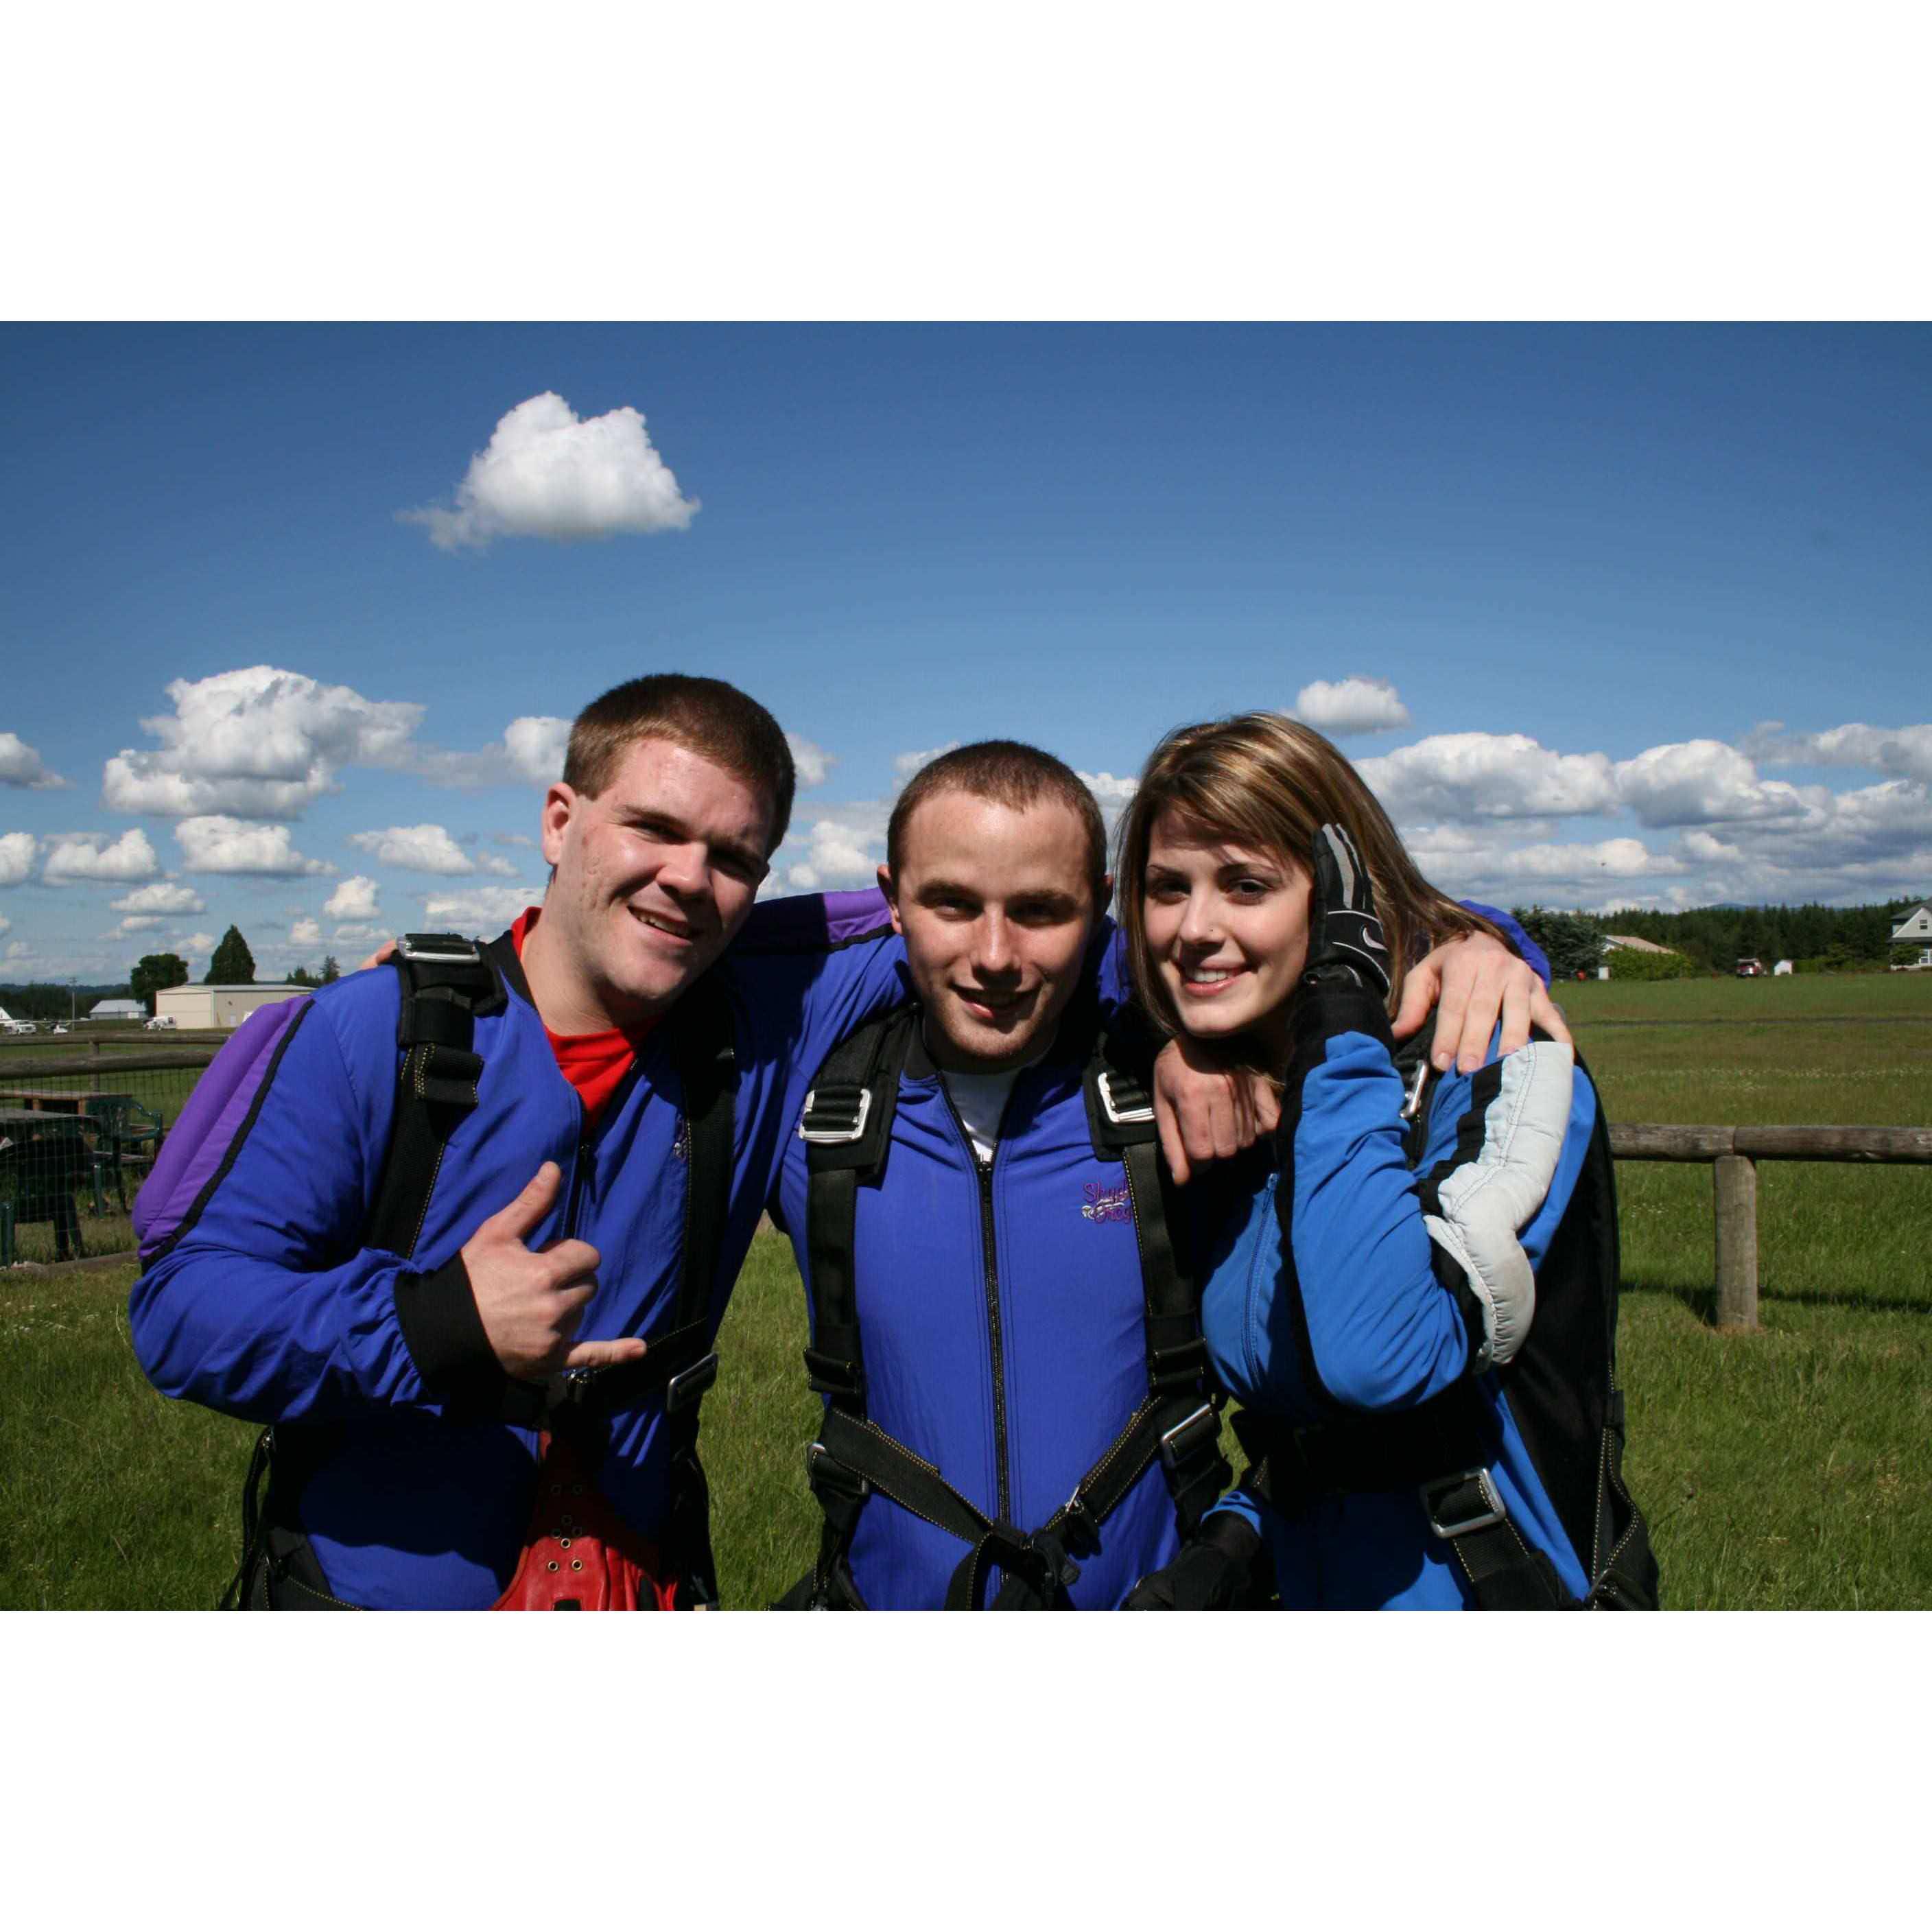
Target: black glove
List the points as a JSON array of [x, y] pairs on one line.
[[1213, 1571], [1345, 945]]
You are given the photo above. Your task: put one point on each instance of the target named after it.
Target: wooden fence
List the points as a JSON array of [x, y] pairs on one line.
[[1733, 1154]]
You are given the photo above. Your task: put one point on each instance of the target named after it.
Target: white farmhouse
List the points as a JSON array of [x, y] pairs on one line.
[[216, 1006], [1914, 929]]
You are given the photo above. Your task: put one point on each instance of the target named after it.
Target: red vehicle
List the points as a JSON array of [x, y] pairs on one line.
[[1750, 969]]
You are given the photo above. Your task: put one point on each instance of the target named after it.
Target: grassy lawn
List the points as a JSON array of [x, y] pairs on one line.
[[1786, 1469]]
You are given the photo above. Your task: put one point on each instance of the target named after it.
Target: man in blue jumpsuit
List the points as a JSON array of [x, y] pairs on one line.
[[411, 1386], [1001, 1310]]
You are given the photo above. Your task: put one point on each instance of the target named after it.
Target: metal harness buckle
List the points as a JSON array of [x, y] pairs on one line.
[[1117, 1115], [684, 1388], [435, 949], [1437, 1491], [834, 1136], [1187, 1435]]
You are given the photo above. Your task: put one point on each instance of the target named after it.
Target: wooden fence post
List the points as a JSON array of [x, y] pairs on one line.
[[93, 1049], [1735, 1178]]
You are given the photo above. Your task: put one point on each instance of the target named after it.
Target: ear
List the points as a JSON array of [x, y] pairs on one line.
[[560, 806], [892, 892]]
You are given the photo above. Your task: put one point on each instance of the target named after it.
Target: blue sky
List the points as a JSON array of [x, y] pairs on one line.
[[1627, 615]]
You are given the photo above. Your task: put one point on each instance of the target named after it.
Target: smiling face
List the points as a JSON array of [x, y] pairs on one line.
[[655, 874], [1227, 928], [996, 906]]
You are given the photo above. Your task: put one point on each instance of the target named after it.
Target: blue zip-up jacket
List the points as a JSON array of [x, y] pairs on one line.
[[1012, 1380], [1378, 1294], [258, 1299], [1001, 1310]]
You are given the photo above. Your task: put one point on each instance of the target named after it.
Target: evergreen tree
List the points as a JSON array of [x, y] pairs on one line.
[[1572, 941], [153, 972], [302, 976], [233, 964], [330, 970]]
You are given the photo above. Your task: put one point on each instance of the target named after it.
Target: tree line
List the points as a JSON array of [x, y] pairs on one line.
[[1714, 938]]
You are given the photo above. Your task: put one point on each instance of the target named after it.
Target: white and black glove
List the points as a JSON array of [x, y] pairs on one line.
[[1345, 937]]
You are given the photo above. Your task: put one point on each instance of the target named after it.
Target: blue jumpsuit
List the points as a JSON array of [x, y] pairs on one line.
[[1351, 1315]]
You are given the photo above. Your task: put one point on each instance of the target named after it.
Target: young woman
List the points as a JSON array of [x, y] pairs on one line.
[[1414, 1301]]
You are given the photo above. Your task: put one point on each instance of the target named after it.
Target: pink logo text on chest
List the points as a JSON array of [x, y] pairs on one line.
[[1106, 1203]]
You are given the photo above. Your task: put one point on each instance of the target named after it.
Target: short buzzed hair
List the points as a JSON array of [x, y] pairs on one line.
[[706, 715], [1016, 775]]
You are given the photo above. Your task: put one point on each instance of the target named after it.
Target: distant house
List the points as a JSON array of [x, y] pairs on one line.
[[117, 1009], [216, 1006], [1611, 940], [1916, 927]]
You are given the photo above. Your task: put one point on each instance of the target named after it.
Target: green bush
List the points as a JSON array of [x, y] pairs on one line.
[[1626, 963]]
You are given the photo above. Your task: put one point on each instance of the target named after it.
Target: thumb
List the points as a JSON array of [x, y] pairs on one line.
[[539, 1194]]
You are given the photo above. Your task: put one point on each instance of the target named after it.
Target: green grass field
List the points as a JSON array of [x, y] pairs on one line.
[[1782, 1470]]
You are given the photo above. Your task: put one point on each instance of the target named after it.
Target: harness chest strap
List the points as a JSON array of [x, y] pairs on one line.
[[847, 1125]]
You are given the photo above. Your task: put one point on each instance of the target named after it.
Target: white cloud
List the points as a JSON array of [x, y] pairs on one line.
[[1353, 704], [19, 948], [513, 838], [357, 935], [1107, 789], [814, 763], [304, 932], [17, 851], [201, 942], [1482, 775], [1902, 751], [93, 856], [140, 922], [549, 473], [218, 844], [354, 898], [1702, 782], [20, 764], [481, 907], [258, 743], [529, 752], [535, 746], [907, 763], [1702, 845], [161, 898], [417, 848], [836, 855]]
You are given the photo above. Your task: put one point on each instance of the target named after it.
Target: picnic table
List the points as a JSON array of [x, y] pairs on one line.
[[43, 1157], [57, 1099]]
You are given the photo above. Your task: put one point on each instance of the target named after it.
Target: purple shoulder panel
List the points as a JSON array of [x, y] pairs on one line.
[[814, 922], [216, 1111]]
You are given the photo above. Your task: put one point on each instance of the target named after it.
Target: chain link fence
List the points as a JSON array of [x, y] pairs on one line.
[[81, 1123]]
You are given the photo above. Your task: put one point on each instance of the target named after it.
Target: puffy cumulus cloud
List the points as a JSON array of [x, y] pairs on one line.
[[161, 897], [1709, 850], [1703, 782], [78, 856], [419, 848], [18, 850], [354, 898], [215, 843], [19, 948], [529, 752], [305, 932], [548, 472], [357, 935], [1110, 790], [258, 743], [139, 922], [481, 907], [1352, 705], [844, 846], [21, 765], [813, 762], [907, 763], [1483, 775], [1900, 751], [190, 944]]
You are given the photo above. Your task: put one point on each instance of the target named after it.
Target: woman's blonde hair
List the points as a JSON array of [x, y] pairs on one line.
[[1265, 782]]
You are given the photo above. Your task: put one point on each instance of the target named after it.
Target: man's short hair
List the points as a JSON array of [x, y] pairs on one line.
[[706, 715], [1017, 776]]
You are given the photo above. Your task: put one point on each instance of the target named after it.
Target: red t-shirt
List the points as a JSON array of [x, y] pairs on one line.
[[594, 1063]]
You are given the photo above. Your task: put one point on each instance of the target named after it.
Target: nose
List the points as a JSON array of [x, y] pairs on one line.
[[685, 871], [1200, 922], [992, 947]]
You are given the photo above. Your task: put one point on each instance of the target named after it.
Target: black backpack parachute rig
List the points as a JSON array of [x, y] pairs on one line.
[[448, 983], [847, 1125], [1563, 1394]]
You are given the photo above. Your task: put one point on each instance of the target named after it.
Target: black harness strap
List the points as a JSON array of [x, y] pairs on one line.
[[447, 981], [847, 1125]]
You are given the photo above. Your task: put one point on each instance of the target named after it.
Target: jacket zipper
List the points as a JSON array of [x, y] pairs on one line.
[[984, 1170]]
